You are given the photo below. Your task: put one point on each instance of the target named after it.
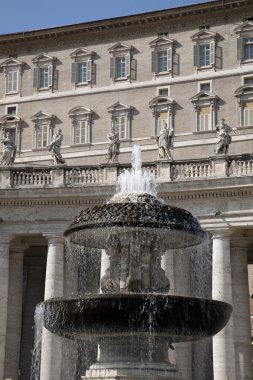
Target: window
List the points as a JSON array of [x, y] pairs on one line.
[[248, 81], [44, 74], [42, 136], [12, 70], [81, 125], [11, 123], [120, 126], [162, 111], [162, 56], [122, 65], [244, 95], [206, 52], [11, 110], [205, 105], [43, 129], [245, 42], [121, 120], [83, 69], [205, 86], [248, 114], [163, 91]]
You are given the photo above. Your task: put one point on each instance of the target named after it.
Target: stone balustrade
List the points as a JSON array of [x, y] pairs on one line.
[[164, 171]]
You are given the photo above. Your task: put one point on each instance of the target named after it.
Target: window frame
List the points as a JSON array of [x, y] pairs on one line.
[[119, 110], [205, 99], [162, 45], [82, 56], [80, 114], [13, 124], [244, 95], [161, 104], [42, 119], [118, 51], [244, 32], [9, 66], [41, 62], [209, 38]]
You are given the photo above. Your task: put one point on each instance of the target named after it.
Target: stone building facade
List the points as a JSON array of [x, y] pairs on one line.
[[189, 67]]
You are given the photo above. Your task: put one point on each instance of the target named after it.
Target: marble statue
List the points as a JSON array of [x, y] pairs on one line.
[[114, 146], [55, 147], [224, 138], [164, 141], [9, 152]]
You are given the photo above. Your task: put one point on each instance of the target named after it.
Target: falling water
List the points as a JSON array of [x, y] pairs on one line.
[[36, 355]]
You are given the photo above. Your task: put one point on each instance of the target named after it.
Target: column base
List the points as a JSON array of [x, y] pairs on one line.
[[133, 371]]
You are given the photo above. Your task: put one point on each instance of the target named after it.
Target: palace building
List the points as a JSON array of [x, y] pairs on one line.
[[188, 67]]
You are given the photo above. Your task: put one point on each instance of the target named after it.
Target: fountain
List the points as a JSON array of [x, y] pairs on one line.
[[132, 319]]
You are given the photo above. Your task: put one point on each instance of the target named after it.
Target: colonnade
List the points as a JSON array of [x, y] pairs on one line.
[[231, 347]]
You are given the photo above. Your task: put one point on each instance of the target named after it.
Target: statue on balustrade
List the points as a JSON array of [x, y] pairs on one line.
[[224, 138], [164, 141], [9, 152], [114, 147], [55, 148]]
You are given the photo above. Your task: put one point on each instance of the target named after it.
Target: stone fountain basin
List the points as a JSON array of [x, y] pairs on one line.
[[104, 315]]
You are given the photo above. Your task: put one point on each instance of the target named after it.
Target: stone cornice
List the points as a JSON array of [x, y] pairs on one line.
[[123, 22]]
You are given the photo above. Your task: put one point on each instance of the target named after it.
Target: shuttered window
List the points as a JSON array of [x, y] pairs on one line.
[[248, 48], [204, 54], [162, 61]]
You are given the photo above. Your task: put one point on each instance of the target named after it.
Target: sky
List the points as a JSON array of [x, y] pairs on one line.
[[25, 15]]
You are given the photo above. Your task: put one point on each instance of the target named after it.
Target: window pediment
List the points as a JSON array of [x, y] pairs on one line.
[[120, 47], [42, 116], [161, 100], [10, 119], [161, 41], [43, 58], [119, 107], [81, 52], [204, 35], [80, 111], [11, 62], [244, 90], [203, 96], [245, 28]]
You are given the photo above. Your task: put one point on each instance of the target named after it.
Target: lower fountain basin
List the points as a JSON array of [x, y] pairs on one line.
[[104, 315]]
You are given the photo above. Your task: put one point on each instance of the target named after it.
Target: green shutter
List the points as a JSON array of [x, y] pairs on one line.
[[74, 72], [50, 76], [175, 60], [55, 79], [212, 51], [154, 62], [36, 73], [133, 67], [127, 60], [218, 57], [196, 55], [112, 67], [169, 59], [89, 64], [240, 49]]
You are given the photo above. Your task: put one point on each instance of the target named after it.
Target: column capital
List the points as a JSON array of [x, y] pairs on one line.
[[54, 238], [222, 233]]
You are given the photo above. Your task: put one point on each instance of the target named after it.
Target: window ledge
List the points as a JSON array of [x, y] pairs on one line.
[[203, 132], [12, 93], [82, 84], [245, 61], [120, 79], [37, 149], [162, 73], [245, 126], [81, 144]]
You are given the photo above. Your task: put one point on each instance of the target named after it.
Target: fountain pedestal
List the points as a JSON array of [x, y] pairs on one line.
[[133, 357]]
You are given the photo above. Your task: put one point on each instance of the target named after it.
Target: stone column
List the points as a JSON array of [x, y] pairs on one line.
[[223, 342], [241, 309], [12, 356], [4, 284], [51, 351]]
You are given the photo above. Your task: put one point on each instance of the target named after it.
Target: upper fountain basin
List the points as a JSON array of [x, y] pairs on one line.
[[173, 226]]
